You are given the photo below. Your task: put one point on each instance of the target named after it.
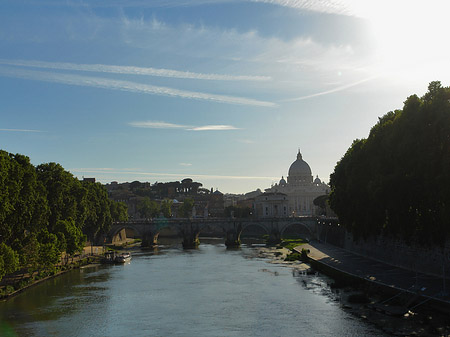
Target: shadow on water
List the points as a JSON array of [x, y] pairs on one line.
[[55, 298]]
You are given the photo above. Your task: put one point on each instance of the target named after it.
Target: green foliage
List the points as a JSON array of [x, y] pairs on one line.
[[292, 243], [23, 206], [98, 210], [44, 210], [186, 209], [396, 181], [9, 260], [148, 208], [293, 257], [49, 250], [72, 237], [29, 253], [65, 195], [166, 208], [322, 202], [119, 211]]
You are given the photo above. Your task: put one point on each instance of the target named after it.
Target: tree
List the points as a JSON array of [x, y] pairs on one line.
[[29, 253], [9, 260], [321, 202], [98, 212], [119, 211], [72, 237], [396, 181], [49, 252], [186, 209], [166, 208], [65, 194], [44, 211], [23, 206], [148, 208]]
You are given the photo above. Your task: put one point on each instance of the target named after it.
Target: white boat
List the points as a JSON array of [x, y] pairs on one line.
[[122, 258]]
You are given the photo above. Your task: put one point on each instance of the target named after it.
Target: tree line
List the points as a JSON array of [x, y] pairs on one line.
[[396, 182], [45, 210]]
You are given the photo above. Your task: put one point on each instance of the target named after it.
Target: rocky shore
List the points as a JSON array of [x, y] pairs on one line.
[[361, 302]]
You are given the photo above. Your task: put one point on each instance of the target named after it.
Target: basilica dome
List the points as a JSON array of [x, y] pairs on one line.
[[299, 172], [299, 167]]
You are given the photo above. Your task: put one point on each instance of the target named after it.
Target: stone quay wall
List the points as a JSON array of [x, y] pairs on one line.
[[433, 260]]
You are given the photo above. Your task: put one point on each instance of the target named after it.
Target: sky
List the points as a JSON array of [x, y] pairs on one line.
[[221, 91]]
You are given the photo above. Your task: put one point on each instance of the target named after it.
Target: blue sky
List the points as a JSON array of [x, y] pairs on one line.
[[222, 91]]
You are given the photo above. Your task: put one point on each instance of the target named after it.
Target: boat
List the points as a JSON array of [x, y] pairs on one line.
[[123, 258], [110, 257]]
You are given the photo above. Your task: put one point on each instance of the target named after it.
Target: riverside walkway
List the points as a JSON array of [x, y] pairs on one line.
[[428, 287]]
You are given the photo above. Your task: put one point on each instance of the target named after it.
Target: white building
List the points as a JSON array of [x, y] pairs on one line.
[[300, 188], [271, 205]]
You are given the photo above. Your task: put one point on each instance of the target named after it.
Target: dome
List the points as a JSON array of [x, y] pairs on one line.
[[299, 167], [282, 181], [317, 181]]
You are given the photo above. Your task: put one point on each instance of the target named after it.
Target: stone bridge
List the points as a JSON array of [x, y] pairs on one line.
[[230, 228]]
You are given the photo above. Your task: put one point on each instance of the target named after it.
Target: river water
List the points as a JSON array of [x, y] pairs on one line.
[[210, 291]]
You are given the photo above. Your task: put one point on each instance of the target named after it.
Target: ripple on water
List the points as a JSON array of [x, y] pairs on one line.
[[211, 291]]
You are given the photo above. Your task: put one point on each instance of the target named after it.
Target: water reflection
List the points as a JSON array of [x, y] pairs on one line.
[[211, 291]]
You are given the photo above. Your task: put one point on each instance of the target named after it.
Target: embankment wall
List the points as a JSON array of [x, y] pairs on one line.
[[433, 260]]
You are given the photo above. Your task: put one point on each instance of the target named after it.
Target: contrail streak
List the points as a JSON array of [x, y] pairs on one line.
[[103, 83], [344, 87], [131, 70]]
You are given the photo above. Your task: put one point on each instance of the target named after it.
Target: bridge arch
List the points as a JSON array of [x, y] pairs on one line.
[[117, 230], [246, 226], [306, 230]]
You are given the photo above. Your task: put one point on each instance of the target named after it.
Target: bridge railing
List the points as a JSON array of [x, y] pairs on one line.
[[219, 220]]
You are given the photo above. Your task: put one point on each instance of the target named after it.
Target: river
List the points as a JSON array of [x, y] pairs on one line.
[[210, 291]]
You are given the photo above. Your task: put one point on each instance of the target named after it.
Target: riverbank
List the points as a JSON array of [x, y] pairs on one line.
[[12, 285], [21, 287], [395, 300], [277, 255]]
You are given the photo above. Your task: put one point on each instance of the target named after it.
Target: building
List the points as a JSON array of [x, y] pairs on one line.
[[216, 204], [300, 189], [271, 205]]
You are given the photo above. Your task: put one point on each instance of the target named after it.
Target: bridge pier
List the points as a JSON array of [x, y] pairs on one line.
[[232, 239], [233, 235], [274, 237], [149, 240], [190, 234]]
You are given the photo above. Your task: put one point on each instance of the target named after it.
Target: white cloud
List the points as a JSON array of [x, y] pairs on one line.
[[20, 130], [321, 6], [157, 125], [131, 70], [165, 125], [129, 86], [213, 128], [133, 174], [300, 60], [185, 164]]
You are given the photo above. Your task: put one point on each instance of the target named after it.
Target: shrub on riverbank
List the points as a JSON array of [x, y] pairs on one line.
[[293, 257], [292, 243]]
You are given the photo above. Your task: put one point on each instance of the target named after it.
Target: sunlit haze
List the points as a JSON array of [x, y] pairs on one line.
[[221, 91]]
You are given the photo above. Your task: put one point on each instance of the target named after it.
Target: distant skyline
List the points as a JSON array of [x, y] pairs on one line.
[[221, 91]]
